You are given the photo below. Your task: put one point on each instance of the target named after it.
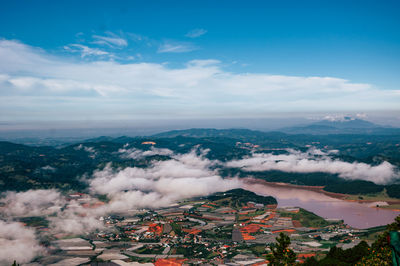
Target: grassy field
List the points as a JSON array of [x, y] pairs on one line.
[[306, 218], [381, 196], [373, 233], [391, 207]]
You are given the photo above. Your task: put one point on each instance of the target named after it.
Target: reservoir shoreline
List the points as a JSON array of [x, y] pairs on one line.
[[320, 189], [356, 213]]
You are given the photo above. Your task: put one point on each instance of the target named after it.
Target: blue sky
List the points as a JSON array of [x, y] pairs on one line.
[[146, 59]]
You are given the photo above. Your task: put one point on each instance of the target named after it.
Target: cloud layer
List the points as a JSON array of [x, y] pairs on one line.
[[134, 153], [32, 202], [185, 175], [317, 161], [161, 184], [17, 243], [37, 85]]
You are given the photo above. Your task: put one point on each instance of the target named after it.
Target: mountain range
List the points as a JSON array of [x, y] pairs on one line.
[[347, 125]]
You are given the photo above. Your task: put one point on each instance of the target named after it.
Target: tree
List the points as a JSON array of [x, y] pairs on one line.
[[281, 254], [312, 261]]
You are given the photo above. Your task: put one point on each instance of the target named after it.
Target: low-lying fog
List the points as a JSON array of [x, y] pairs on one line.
[[162, 183]]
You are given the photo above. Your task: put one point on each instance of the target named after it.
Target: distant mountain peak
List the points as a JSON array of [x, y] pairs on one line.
[[338, 118], [346, 122], [341, 125]]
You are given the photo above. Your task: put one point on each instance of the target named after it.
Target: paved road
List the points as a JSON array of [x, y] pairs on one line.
[[155, 256]]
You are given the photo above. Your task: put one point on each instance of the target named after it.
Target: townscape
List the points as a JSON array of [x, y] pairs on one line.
[[232, 228]]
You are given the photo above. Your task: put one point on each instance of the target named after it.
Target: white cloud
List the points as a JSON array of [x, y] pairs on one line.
[[32, 202], [316, 161], [340, 117], [176, 47], [196, 33], [134, 153], [84, 50], [35, 84], [17, 243], [85, 148], [203, 63], [111, 40], [75, 221], [160, 184], [64, 216], [361, 116], [186, 175]]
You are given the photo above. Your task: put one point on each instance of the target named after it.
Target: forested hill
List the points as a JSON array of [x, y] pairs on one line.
[[240, 197], [23, 167]]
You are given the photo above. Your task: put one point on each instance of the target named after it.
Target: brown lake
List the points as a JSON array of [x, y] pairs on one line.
[[357, 215]]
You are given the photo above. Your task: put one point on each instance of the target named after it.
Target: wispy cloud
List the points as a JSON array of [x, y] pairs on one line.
[[111, 40], [84, 50], [35, 84], [101, 46], [196, 33], [176, 47], [137, 37]]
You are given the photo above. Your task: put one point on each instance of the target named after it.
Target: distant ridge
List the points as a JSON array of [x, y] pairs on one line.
[[323, 127], [245, 135], [212, 132], [347, 125], [347, 122]]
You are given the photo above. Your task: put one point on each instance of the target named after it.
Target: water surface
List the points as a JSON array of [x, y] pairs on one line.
[[355, 214]]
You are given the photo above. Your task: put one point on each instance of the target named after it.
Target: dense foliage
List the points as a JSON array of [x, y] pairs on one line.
[[240, 197], [393, 190], [354, 187], [338, 256], [379, 253], [280, 252], [24, 167]]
